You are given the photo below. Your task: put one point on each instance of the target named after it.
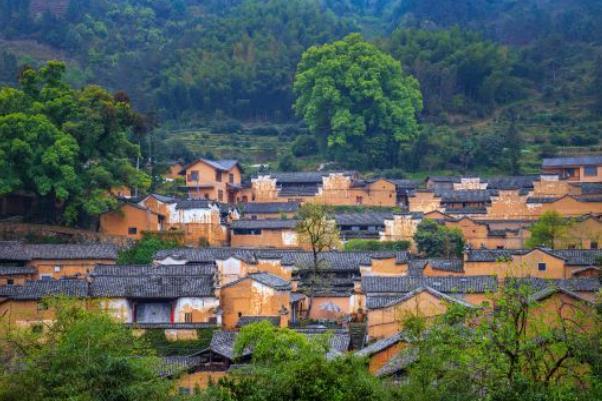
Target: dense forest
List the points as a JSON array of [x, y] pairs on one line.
[[492, 73]]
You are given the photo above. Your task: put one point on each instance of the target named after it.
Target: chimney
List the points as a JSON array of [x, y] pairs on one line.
[[283, 317]]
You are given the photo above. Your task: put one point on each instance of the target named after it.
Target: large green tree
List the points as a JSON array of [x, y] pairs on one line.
[[83, 356], [67, 146], [358, 101], [288, 365]]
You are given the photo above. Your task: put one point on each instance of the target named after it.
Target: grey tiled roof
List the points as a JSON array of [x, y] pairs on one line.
[[367, 218], [13, 250], [269, 207], [21, 252], [174, 365], [71, 251], [590, 188], [380, 345], [225, 164], [546, 292], [451, 265], [572, 161], [578, 257], [404, 183], [222, 343], [376, 301], [433, 292], [445, 284], [147, 270], [305, 176], [399, 362], [573, 257], [477, 195], [541, 199], [268, 224], [298, 190], [511, 182], [246, 320], [581, 284], [445, 178], [335, 260], [490, 255], [466, 210], [16, 270], [164, 198], [193, 204], [271, 280], [152, 286], [33, 290]]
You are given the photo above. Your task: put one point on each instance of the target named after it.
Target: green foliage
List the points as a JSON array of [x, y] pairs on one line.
[[304, 145], [375, 245], [549, 230], [158, 342], [435, 240], [143, 251], [515, 353], [287, 163], [66, 145], [289, 366], [85, 355], [458, 70], [357, 101]]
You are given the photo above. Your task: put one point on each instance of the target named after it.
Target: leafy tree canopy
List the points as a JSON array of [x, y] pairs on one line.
[[548, 230], [435, 240], [357, 100], [84, 356], [67, 146]]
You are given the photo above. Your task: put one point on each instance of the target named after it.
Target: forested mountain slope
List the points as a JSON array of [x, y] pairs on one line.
[[488, 69]]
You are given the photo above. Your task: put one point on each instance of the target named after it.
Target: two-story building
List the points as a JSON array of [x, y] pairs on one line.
[[217, 180], [575, 168]]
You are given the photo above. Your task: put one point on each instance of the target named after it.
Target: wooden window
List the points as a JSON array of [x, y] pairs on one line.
[[593, 245], [590, 171], [132, 230], [188, 317], [194, 175], [541, 267], [359, 200], [231, 178], [500, 247], [220, 195], [10, 281], [218, 176]]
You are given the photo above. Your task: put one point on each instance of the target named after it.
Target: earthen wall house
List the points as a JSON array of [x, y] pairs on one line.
[[130, 221], [217, 180], [264, 233], [51, 261], [258, 294], [577, 168]]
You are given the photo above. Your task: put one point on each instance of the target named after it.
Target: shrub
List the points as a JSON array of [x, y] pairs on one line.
[[375, 245], [304, 145]]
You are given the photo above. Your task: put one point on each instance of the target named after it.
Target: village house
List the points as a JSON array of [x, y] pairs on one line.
[[267, 233], [268, 210], [576, 168], [362, 225], [130, 220], [391, 299], [380, 352], [217, 180], [538, 262], [196, 371], [258, 295], [177, 299], [24, 305], [51, 261]]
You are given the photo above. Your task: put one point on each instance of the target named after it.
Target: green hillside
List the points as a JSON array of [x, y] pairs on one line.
[[216, 76]]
